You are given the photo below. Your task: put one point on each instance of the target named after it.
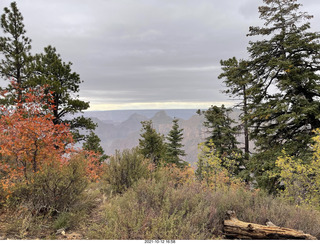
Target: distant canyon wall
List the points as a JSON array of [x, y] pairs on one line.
[[119, 130]]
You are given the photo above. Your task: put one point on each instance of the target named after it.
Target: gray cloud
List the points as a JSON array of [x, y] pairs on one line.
[[145, 51]]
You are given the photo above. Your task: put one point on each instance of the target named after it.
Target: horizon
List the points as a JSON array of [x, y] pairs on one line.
[[156, 106]]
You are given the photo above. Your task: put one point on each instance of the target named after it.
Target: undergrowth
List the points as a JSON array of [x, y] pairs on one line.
[[165, 203], [157, 208]]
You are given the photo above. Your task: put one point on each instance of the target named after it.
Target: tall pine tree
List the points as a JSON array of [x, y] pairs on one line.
[[285, 88], [49, 69], [151, 144], [237, 79], [221, 130], [174, 146], [15, 47]]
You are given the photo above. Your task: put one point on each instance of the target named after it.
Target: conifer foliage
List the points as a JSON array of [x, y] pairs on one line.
[[237, 78], [41, 69], [285, 87], [49, 69], [281, 87], [221, 130], [15, 46], [151, 144], [174, 146]]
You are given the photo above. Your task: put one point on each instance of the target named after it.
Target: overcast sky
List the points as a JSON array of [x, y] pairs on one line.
[[145, 54]]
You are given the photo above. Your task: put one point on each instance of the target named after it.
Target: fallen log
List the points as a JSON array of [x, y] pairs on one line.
[[235, 229]]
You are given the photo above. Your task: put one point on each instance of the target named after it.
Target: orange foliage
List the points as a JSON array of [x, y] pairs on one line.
[[29, 139]]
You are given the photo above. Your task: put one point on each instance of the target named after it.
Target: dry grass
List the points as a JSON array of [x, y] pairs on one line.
[[158, 209]]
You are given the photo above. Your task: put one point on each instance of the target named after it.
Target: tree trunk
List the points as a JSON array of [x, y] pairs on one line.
[[245, 122], [236, 229]]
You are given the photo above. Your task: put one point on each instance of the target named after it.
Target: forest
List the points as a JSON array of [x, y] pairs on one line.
[[51, 189]]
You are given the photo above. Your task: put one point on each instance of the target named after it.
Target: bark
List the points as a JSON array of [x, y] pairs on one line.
[[246, 129], [236, 229]]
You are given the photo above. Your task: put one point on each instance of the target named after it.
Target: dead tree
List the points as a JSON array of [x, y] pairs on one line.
[[236, 229]]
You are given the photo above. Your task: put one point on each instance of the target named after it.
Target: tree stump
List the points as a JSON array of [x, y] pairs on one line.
[[236, 229]]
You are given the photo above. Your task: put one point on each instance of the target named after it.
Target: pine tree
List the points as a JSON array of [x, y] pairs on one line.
[[285, 87], [15, 47], [174, 151], [92, 143], [220, 130], [237, 79], [151, 144], [44, 69], [49, 69]]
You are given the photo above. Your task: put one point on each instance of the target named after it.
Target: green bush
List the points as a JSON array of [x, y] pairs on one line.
[[53, 189], [125, 168]]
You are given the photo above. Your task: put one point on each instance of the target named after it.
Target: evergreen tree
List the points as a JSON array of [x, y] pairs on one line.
[[285, 87], [43, 69], [50, 70], [15, 47], [173, 150], [221, 132], [151, 144], [237, 78], [93, 144]]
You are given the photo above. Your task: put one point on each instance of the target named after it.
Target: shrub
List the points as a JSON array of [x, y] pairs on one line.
[[55, 188], [21, 223], [125, 168], [29, 138], [35, 165], [216, 171], [157, 208], [58, 189], [300, 179]]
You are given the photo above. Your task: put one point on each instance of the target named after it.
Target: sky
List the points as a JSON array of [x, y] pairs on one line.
[[146, 54]]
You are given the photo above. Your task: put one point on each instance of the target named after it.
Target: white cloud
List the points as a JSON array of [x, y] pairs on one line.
[[140, 52]]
